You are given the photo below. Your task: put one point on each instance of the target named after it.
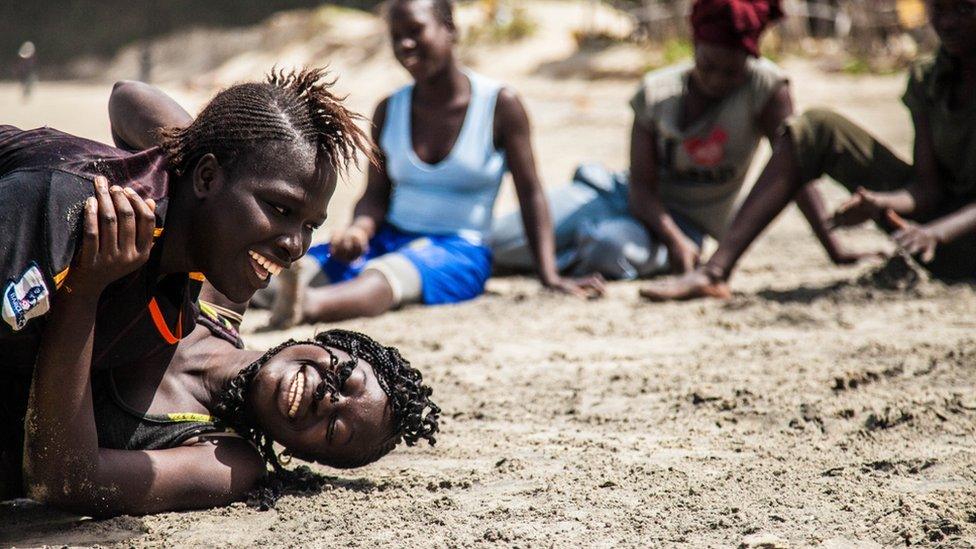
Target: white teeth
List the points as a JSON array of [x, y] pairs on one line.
[[295, 393], [270, 266]]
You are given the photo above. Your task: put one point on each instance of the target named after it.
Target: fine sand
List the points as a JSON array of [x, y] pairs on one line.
[[817, 407]]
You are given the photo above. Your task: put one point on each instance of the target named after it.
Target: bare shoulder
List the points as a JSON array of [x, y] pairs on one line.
[[510, 112], [379, 118], [509, 101], [379, 113]]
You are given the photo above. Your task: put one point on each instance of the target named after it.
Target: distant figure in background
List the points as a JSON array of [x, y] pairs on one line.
[[27, 67], [145, 62], [928, 206], [697, 126], [419, 231]]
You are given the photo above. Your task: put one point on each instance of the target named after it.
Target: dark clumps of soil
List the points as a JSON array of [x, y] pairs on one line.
[[900, 273], [298, 481], [887, 419]]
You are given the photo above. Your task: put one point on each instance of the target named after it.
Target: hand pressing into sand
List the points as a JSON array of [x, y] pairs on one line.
[[916, 240], [587, 287], [863, 205], [350, 243]]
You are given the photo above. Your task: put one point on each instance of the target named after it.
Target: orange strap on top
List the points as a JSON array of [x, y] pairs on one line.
[[161, 326]]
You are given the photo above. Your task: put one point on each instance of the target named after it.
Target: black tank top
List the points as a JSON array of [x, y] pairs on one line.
[[121, 427]]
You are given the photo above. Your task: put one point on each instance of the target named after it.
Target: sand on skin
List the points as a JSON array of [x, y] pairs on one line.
[[810, 409]]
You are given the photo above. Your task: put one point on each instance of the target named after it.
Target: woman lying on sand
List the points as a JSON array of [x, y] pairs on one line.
[[234, 196], [141, 439], [418, 233], [937, 194], [696, 129]]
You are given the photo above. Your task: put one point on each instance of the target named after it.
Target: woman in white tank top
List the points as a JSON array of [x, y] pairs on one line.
[[418, 233]]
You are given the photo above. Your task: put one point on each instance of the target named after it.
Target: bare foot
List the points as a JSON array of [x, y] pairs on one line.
[[288, 307], [691, 285]]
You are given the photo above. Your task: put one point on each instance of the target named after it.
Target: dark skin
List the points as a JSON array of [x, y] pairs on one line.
[[424, 46], [718, 72], [229, 215], [955, 23], [63, 464]]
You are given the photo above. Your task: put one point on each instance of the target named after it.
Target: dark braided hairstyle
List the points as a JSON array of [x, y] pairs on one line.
[[443, 10], [250, 125], [415, 417]]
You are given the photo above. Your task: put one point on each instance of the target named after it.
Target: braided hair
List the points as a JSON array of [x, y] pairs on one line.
[[246, 126], [415, 417]]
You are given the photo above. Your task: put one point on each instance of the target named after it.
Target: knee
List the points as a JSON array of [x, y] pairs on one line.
[[819, 115], [820, 121]]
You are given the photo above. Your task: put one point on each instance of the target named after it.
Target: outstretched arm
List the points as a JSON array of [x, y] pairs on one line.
[[63, 464], [370, 210], [645, 202], [922, 240], [137, 111], [514, 135]]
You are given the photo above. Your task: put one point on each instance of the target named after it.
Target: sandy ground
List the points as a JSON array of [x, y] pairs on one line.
[[813, 409]]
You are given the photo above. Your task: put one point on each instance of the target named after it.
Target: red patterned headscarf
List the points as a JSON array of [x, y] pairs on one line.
[[734, 24]]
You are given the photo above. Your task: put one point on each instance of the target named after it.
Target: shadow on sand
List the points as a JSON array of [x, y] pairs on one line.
[[25, 523], [899, 274]]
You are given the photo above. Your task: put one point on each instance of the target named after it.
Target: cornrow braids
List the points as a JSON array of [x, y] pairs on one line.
[[443, 10], [415, 416], [242, 124]]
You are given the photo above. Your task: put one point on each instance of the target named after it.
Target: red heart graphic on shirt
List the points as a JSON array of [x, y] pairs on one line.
[[709, 151]]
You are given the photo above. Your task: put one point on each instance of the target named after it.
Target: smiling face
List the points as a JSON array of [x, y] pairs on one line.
[[719, 71], [281, 400], [249, 225], [422, 42], [955, 23]]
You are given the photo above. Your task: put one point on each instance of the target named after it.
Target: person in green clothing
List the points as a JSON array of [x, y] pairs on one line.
[[929, 206]]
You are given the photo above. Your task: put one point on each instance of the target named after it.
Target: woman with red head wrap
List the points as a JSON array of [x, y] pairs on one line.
[[696, 129], [735, 24], [930, 207]]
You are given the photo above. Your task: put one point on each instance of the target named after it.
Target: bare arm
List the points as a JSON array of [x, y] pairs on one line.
[[513, 130], [63, 464], [809, 199], [137, 111], [645, 201], [514, 135], [925, 193], [351, 242], [372, 206], [922, 240], [957, 224]]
